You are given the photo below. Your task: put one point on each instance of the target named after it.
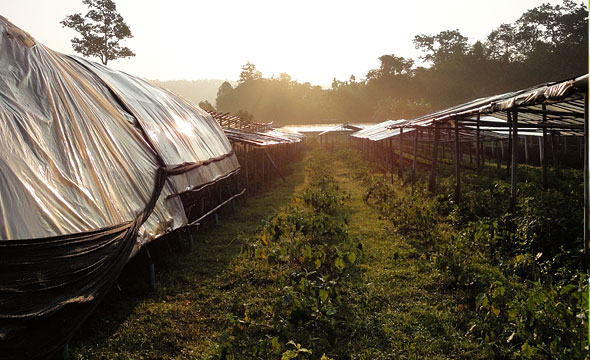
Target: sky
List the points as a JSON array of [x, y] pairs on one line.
[[313, 41]]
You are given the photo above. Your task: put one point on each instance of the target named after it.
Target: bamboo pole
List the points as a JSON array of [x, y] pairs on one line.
[[401, 153], [526, 149], [262, 169], [477, 142], [457, 164], [246, 157], [391, 157], [554, 150], [543, 151], [510, 142], [274, 165], [433, 169], [498, 153], [414, 162], [514, 178], [586, 188]]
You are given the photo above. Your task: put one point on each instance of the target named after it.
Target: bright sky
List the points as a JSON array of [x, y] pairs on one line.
[[312, 41]]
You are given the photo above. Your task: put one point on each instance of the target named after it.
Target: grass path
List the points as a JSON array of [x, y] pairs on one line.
[[399, 310], [402, 306], [196, 291]]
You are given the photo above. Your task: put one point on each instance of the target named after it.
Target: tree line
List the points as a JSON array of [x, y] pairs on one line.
[[547, 43]]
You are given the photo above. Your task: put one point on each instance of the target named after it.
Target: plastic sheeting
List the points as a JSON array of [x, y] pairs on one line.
[[81, 144], [90, 158], [564, 102], [70, 157], [380, 131], [262, 139]]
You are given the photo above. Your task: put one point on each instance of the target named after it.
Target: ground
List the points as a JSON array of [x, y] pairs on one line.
[[400, 308]]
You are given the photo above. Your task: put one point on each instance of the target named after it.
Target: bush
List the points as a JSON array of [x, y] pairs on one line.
[[309, 241], [521, 272]]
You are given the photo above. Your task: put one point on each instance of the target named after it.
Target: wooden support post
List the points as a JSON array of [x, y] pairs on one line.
[[526, 149], [401, 153], [540, 150], [498, 153], [434, 164], [262, 166], [514, 179], [246, 156], [586, 187], [477, 143], [554, 150], [414, 162], [152, 269], [457, 164], [510, 141], [543, 150], [274, 165], [255, 168], [391, 157], [191, 242], [65, 352]]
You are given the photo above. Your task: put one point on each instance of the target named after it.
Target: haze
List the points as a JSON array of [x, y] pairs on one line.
[[313, 41]]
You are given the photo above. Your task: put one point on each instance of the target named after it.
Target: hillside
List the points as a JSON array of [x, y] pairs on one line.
[[194, 90]]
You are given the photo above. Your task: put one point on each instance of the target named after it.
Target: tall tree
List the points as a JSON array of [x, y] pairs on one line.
[[206, 105], [226, 98], [101, 29], [445, 46], [249, 72]]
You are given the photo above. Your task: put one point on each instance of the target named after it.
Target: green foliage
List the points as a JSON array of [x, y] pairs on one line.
[[226, 98], [102, 29], [444, 47], [249, 73], [308, 242], [521, 273], [206, 105], [548, 42]]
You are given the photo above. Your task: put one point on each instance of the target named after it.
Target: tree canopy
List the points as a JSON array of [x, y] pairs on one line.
[[546, 43], [101, 30]]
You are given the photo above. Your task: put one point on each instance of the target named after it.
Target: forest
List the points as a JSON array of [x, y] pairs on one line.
[[547, 43]]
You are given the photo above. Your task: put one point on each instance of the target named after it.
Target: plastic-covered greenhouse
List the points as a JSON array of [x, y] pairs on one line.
[[93, 165]]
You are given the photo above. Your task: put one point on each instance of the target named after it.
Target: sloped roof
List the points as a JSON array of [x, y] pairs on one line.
[[82, 144], [559, 104]]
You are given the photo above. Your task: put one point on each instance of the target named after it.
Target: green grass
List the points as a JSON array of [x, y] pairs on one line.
[[402, 310], [398, 308], [195, 292]]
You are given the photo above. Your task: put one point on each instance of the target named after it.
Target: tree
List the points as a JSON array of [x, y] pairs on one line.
[[206, 105], [244, 115], [102, 29], [543, 30], [443, 47], [395, 65], [249, 72], [226, 98]]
